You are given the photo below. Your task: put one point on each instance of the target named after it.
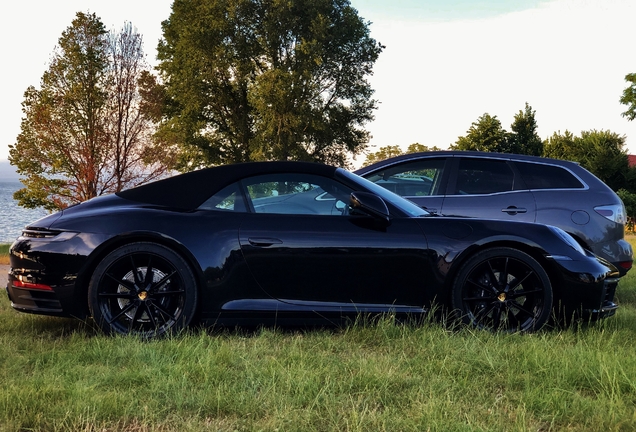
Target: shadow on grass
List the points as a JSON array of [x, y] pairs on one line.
[[387, 320], [56, 328]]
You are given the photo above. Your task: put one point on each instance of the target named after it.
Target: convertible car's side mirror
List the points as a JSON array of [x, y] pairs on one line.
[[369, 204]]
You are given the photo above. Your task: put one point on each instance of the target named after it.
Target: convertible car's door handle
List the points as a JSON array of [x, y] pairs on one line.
[[264, 241], [512, 210]]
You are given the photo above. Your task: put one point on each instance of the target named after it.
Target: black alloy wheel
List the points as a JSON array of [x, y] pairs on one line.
[[144, 289], [503, 289]]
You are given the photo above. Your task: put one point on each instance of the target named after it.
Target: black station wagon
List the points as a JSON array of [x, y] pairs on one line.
[[512, 187]]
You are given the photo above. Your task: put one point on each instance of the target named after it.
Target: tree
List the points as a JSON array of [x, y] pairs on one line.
[[629, 200], [135, 158], [485, 134], [382, 154], [394, 150], [603, 154], [561, 146], [600, 152], [524, 138], [83, 133], [419, 148], [629, 97], [266, 79]]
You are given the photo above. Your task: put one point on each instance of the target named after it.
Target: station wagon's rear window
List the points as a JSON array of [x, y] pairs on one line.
[[540, 176]]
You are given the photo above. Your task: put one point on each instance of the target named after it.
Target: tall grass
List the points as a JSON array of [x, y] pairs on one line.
[[59, 375]]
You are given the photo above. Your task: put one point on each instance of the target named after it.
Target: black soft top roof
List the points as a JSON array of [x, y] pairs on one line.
[[188, 191]]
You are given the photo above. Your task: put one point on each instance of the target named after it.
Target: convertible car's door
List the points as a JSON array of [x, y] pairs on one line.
[[304, 248], [336, 259]]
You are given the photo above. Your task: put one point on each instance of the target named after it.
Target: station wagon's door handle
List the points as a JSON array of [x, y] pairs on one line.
[[512, 210], [264, 241]]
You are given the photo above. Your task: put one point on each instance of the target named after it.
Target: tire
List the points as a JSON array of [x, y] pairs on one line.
[[502, 289], [124, 299]]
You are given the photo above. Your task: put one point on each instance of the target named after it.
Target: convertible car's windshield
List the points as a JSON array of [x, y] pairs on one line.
[[403, 204]]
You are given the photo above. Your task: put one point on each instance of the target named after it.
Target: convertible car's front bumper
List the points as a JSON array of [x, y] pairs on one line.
[[43, 275], [586, 288], [608, 306]]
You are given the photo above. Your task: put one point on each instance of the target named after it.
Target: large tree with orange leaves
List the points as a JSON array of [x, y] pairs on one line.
[[84, 132]]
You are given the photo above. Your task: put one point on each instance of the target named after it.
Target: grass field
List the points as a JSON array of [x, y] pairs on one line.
[[61, 375], [4, 253]]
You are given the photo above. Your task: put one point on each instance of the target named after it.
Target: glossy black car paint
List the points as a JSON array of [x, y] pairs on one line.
[[299, 268]]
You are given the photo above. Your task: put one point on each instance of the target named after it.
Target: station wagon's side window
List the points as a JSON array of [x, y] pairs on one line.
[[412, 179], [292, 193], [477, 176], [541, 176]]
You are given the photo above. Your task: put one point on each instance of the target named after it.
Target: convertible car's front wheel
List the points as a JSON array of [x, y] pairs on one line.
[[503, 289], [144, 289]]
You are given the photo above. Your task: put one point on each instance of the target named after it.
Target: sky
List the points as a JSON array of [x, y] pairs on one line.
[[446, 62]]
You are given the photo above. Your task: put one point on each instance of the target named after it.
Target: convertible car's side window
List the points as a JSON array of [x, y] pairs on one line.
[[292, 193], [229, 198]]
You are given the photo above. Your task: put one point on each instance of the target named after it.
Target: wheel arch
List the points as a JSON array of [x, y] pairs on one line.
[[535, 252], [113, 243]]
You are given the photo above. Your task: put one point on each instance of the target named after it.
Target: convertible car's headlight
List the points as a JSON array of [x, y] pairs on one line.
[[567, 238], [51, 235]]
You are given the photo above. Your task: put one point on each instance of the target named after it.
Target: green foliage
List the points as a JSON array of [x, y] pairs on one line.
[[394, 150], [83, 133], [487, 134], [561, 146], [604, 155], [419, 148], [629, 97], [266, 80], [524, 138], [600, 152], [4, 254], [382, 154], [629, 199]]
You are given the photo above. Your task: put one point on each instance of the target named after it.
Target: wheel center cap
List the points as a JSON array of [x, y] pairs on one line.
[[502, 297], [143, 295]]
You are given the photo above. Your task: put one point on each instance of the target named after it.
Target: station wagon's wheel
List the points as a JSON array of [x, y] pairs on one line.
[[144, 289], [503, 289]]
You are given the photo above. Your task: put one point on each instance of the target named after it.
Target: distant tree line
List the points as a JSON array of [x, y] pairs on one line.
[[394, 150]]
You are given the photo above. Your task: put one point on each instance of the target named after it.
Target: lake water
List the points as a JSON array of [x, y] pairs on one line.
[[13, 217]]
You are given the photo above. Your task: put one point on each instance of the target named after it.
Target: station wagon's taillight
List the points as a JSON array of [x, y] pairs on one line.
[[615, 213]]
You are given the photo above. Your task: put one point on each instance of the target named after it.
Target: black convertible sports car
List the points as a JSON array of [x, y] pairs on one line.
[[292, 242]]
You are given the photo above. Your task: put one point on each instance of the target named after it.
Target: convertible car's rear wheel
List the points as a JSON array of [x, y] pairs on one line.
[[503, 289], [144, 289]]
